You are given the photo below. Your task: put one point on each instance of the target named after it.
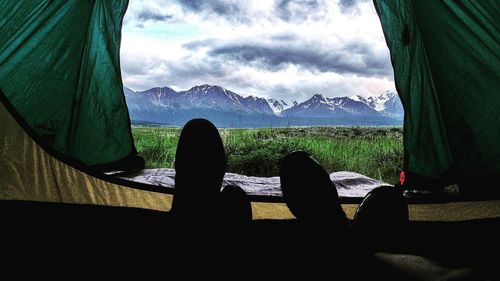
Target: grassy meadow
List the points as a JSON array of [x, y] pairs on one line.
[[373, 151]]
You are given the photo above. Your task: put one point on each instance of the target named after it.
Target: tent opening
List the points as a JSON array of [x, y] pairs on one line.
[[274, 77]]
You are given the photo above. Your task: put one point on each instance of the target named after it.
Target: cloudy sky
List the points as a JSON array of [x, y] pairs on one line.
[[287, 49]]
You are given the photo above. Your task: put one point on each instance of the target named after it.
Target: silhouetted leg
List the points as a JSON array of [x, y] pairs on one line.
[[322, 231], [200, 164]]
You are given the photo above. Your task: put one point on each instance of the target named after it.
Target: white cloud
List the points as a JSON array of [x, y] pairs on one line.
[[263, 48]]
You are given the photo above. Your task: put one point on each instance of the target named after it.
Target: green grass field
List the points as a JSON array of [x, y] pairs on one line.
[[373, 151]]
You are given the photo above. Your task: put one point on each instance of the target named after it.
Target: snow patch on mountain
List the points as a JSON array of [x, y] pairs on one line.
[[278, 106]]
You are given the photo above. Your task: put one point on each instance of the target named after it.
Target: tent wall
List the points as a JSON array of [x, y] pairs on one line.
[[60, 68], [446, 58], [28, 172]]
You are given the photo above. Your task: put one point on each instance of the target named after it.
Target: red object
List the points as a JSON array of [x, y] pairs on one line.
[[402, 177]]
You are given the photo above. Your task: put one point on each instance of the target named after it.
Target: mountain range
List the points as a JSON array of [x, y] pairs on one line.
[[163, 105]]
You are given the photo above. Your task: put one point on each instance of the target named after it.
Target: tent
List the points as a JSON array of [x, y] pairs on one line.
[[60, 68], [446, 59], [60, 78], [64, 119], [62, 93], [60, 75]]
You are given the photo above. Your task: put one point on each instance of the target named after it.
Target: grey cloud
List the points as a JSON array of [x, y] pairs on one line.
[[273, 51], [285, 37], [140, 75], [357, 47], [300, 92], [134, 66], [295, 10], [194, 45], [237, 11], [198, 68], [289, 92], [154, 16], [218, 6], [231, 10], [353, 58], [350, 6], [187, 72], [346, 4]]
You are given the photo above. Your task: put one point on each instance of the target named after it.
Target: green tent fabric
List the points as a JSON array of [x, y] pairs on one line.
[[60, 68], [446, 59]]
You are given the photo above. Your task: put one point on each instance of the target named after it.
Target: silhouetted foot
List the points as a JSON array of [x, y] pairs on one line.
[[308, 191], [383, 211], [200, 164], [321, 229], [381, 220]]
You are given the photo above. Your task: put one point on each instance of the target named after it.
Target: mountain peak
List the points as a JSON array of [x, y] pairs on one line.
[[387, 95], [318, 97], [358, 98], [205, 87], [208, 90], [127, 90], [278, 106]]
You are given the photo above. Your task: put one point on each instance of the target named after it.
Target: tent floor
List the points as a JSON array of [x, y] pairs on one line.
[[466, 250]]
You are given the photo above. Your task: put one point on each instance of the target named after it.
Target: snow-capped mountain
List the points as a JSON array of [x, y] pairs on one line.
[[278, 106], [155, 97], [229, 109], [216, 97], [199, 97], [319, 106], [387, 103]]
